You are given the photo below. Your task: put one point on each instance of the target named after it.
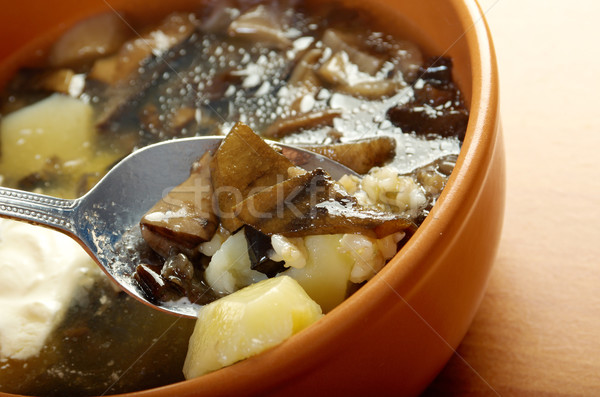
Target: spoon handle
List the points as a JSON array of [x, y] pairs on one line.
[[39, 209]]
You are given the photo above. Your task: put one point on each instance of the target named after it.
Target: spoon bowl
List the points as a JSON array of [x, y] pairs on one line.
[[105, 221]]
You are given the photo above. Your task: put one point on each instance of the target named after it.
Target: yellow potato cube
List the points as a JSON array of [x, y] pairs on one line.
[[248, 322], [57, 127], [326, 275]]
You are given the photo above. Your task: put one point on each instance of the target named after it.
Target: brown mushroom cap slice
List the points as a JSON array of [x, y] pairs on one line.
[[126, 81], [124, 64], [260, 25], [438, 108], [339, 41], [304, 121], [311, 204], [92, 38], [242, 165], [184, 218], [361, 155]]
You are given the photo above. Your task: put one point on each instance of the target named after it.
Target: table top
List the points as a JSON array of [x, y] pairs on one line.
[[537, 331]]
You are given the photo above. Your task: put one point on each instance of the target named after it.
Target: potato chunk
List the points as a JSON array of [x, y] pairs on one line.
[[248, 322], [327, 271], [229, 269], [58, 127]]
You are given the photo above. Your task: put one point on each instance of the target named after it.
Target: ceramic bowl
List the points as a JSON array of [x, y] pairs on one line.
[[397, 332]]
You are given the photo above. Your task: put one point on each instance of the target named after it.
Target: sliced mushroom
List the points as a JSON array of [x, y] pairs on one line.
[[338, 69], [171, 281], [311, 204], [126, 78], [408, 58], [303, 121], [433, 176], [151, 120], [304, 71], [172, 31], [437, 71], [259, 249], [59, 80], [429, 121], [243, 164], [179, 270], [438, 108], [343, 42], [34, 83], [105, 69], [182, 117], [149, 117], [360, 156], [260, 25], [95, 37], [375, 89], [156, 287], [184, 218], [345, 76], [218, 15]]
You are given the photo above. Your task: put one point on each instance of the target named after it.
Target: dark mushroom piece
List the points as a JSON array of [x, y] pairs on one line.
[[304, 71], [260, 25], [408, 58], [311, 204], [242, 165], [259, 247], [303, 121], [90, 39], [184, 218], [360, 156], [175, 278], [156, 287], [58, 80], [30, 85], [339, 41], [371, 89], [438, 108], [127, 81]]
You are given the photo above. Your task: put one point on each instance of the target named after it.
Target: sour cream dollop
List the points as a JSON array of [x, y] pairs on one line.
[[40, 271]]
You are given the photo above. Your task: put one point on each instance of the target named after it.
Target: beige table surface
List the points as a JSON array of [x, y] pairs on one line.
[[538, 329]]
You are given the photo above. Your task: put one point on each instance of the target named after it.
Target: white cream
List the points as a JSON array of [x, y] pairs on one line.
[[40, 270]]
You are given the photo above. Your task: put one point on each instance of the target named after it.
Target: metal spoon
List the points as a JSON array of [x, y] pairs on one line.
[[105, 221]]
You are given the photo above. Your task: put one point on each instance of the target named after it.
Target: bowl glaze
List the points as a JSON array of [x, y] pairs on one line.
[[397, 332]]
